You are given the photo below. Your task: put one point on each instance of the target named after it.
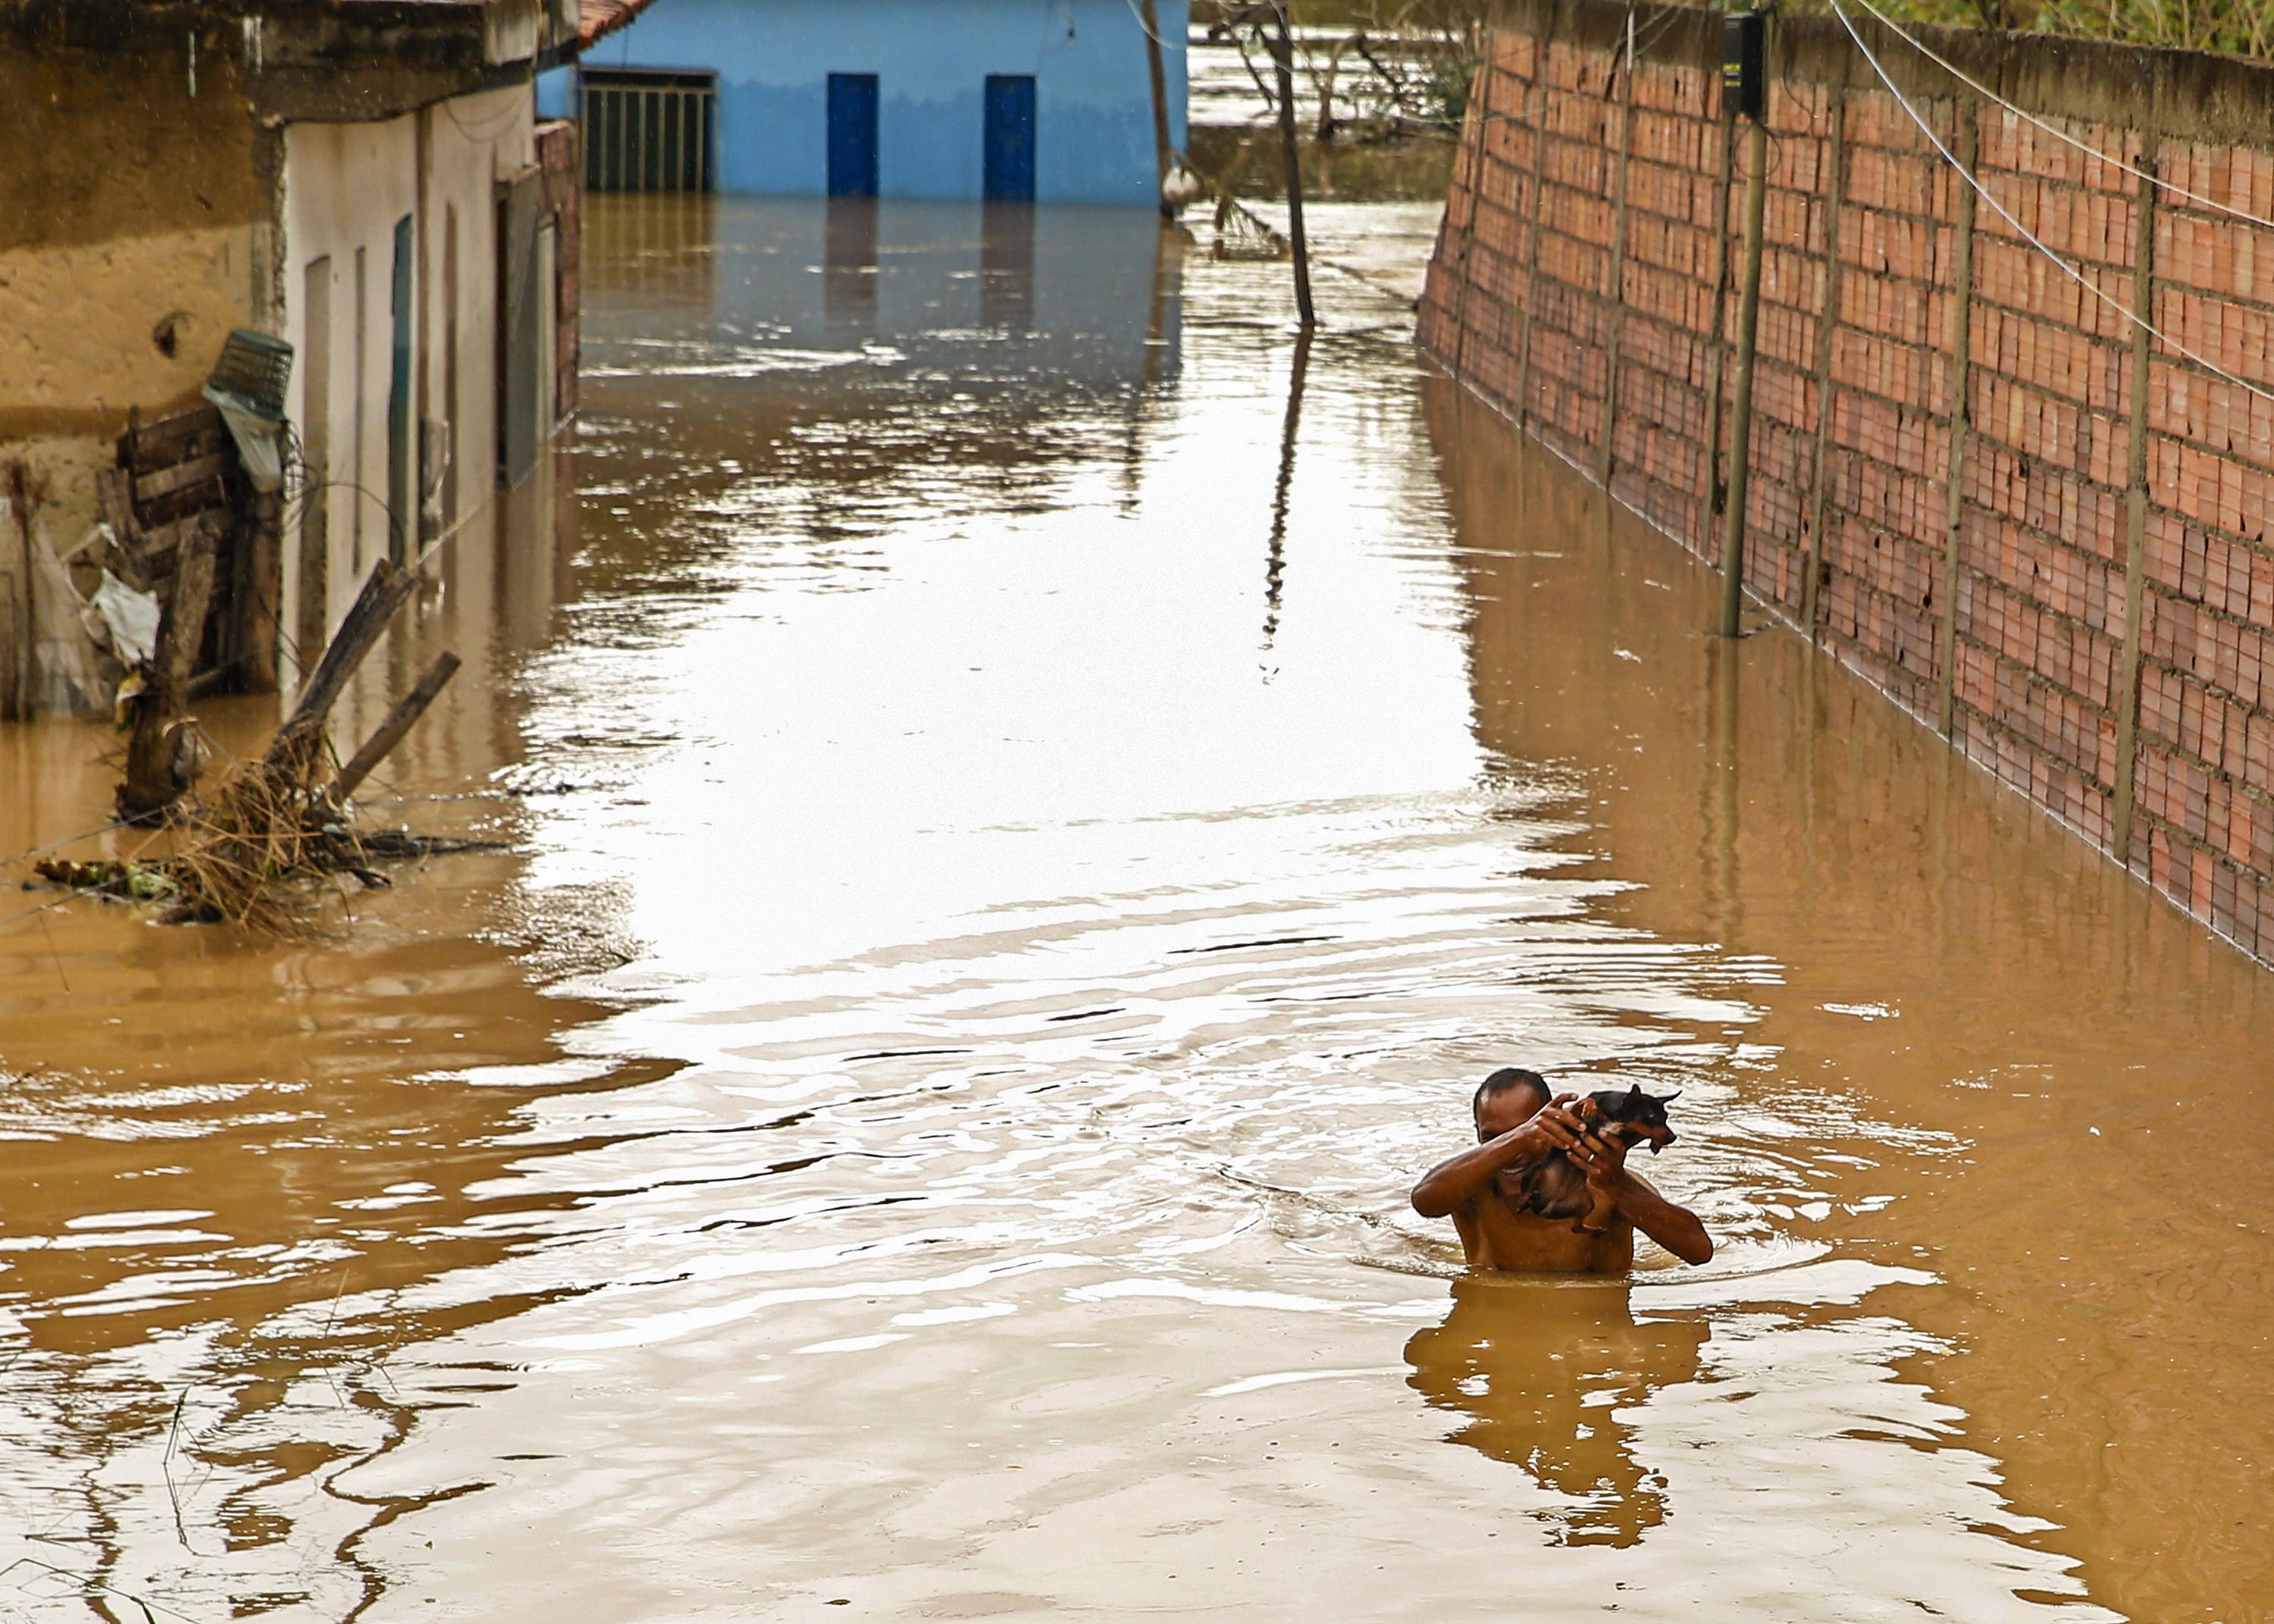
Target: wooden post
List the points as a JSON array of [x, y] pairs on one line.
[[1716, 344], [1282, 53], [260, 578], [399, 721], [150, 751], [1741, 408], [1148, 17], [1827, 325], [359, 631], [1617, 291], [1962, 342], [2126, 696]]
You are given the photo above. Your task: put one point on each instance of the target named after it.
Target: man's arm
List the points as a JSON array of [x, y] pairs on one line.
[[1675, 1228], [1455, 1181]]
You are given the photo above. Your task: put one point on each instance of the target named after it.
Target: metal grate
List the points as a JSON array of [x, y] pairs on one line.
[[649, 130], [253, 372]]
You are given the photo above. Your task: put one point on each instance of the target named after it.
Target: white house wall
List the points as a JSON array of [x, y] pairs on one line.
[[345, 187]]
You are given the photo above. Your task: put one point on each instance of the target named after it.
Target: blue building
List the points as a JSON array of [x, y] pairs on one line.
[[1044, 101]]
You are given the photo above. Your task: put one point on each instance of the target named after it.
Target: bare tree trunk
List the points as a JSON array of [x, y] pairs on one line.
[[1283, 53]]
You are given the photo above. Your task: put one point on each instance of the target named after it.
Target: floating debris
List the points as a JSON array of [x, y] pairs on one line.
[[255, 850]]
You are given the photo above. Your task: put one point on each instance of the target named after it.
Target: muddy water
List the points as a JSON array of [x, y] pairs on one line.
[[1018, 858]]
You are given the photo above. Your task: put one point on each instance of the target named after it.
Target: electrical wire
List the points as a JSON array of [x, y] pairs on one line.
[[2054, 131], [2031, 237], [1145, 28], [485, 130]]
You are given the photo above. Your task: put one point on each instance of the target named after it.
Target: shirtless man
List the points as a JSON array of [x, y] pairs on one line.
[[1518, 1123]]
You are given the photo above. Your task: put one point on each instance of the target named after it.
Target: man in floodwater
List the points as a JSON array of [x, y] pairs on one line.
[[1518, 1124]]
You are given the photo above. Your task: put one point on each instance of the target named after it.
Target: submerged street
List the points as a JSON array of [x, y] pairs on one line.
[[1031, 799]]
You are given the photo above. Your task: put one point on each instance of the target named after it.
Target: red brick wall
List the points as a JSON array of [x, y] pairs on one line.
[[1586, 282]]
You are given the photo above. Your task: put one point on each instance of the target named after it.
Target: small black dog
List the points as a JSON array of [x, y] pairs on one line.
[[1556, 1187]]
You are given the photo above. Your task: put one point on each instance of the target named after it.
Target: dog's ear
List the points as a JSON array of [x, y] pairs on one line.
[[1671, 1098], [1634, 1095]]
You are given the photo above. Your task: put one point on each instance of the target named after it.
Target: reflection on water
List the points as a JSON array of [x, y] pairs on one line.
[[922, 1118], [1543, 1372]]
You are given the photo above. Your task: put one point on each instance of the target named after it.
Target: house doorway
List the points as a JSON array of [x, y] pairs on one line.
[[1010, 138], [852, 135]]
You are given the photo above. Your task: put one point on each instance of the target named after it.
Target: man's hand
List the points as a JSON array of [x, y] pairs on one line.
[[1602, 1158], [1551, 1128], [1458, 1180]]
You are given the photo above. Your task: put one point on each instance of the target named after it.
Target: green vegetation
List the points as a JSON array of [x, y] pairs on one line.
[[2232, 28]]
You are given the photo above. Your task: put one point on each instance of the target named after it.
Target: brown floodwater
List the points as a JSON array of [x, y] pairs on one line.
[[1022, 838]]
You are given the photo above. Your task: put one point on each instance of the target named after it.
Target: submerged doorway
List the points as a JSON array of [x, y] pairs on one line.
[[1010, 138], [852, 135]]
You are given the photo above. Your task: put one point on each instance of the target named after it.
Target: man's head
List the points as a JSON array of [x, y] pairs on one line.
[[1507, 1099]]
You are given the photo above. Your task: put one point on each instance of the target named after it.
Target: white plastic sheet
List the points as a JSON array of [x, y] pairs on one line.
[[130, 616]]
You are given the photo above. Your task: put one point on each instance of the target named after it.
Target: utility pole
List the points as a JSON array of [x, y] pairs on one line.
[[1744, 94], [1148, 18]]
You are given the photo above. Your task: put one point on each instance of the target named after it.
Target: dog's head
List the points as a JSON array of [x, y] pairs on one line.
[[1639, 1117]]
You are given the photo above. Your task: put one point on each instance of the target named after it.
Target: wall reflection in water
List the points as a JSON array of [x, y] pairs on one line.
[[1543, 1372], [1962, 1064], [289, 1127], [813, 361]]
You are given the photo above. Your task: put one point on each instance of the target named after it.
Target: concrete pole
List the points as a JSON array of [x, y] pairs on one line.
[[1716, 342], [2126, 699], [1828, 325], [1613, 317], [1962, 349], [1481, 114], [1741, 408], [1282, 53], [1521, 404]]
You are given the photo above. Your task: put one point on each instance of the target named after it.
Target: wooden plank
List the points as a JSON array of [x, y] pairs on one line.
[[158, 540], [146, 446], [149, 487], [211, 497], [113, 499], [365, 623], [206, 443], [399, 721]]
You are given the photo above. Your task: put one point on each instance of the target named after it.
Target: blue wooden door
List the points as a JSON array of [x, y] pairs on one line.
[[852, 135], [1010, 138]]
